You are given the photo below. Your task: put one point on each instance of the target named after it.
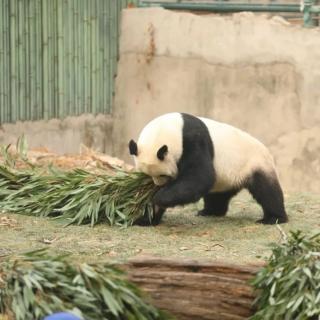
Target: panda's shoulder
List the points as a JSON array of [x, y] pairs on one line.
[[217, 128]]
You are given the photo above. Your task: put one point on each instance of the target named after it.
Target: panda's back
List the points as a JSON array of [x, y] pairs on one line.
[[236, 155]]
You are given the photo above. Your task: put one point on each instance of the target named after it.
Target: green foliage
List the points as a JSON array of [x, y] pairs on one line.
[[10, 159], [37, 284], [289, 286], [79, 196]]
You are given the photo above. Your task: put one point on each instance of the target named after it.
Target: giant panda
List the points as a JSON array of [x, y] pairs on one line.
[[191, 158]]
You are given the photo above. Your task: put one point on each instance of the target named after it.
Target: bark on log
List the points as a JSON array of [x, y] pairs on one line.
[[190, 289]]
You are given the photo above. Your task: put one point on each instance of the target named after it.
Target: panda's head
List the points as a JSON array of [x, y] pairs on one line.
[[155, 162], [159, 148]]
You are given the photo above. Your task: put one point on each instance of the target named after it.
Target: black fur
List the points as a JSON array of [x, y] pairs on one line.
[[195, 171], [267, 192], [133, 148], [156, 219], [217, 203], [162, 152], [264, 188]]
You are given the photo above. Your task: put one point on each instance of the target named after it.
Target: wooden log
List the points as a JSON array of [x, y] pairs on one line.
[[190, 289]]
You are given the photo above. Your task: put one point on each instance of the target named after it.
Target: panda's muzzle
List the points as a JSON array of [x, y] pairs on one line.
[[161, 180]]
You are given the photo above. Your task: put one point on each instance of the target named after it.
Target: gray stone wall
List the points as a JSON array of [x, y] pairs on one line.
[[63, 136]]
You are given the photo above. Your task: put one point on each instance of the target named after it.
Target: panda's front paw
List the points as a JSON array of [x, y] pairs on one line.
[[147, 221], [143, 221]]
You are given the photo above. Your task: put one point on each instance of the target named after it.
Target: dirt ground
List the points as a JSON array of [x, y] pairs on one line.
[[235, 238]]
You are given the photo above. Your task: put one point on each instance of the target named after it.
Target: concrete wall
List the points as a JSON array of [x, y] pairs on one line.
[[63, 136], [259, 74]]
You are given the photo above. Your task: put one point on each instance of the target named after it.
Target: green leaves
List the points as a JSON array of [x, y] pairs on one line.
[[289, 286], [21, 147], [37, 284], [79, 196]]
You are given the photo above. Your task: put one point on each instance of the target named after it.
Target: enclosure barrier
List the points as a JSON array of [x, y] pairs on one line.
[[308, 8], [57, 58], [190, 289]]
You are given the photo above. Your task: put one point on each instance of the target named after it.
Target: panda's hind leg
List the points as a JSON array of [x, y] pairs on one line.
[[217, 203], [266, 190]]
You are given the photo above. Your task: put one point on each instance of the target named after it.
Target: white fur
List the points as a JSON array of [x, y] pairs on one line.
[[236, 153]]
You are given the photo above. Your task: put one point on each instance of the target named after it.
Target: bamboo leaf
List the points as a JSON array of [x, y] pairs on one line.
[[78, 195], [97, 292], [288, 287]]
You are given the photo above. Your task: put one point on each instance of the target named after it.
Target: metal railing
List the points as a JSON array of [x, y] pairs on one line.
[[308, 8]]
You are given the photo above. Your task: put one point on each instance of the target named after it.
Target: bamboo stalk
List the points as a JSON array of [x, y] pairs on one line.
[[32, 59], [46, 61], [39, 107], [55, 48], [101, 43], [20, 55], [27, 99], [51, 56], [13, 55], [94, 54], [85, 57], [106, 57], [111, 56], [61, 62], [69, 41], [2, 59], [7, 115], [82, 57], [77, 79]]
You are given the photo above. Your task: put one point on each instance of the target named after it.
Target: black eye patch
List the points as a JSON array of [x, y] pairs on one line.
[[162, 152]]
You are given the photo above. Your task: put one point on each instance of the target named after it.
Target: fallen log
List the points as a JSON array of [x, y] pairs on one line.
[[190, 289]]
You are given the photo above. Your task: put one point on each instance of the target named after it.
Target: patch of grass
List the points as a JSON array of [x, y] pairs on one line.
[[234, 238]]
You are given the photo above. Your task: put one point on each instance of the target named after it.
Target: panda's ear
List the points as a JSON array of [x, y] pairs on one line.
[[133, 148], [162, 152]]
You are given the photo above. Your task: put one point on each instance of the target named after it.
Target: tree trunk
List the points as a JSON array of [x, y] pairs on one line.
[[190, 289]]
